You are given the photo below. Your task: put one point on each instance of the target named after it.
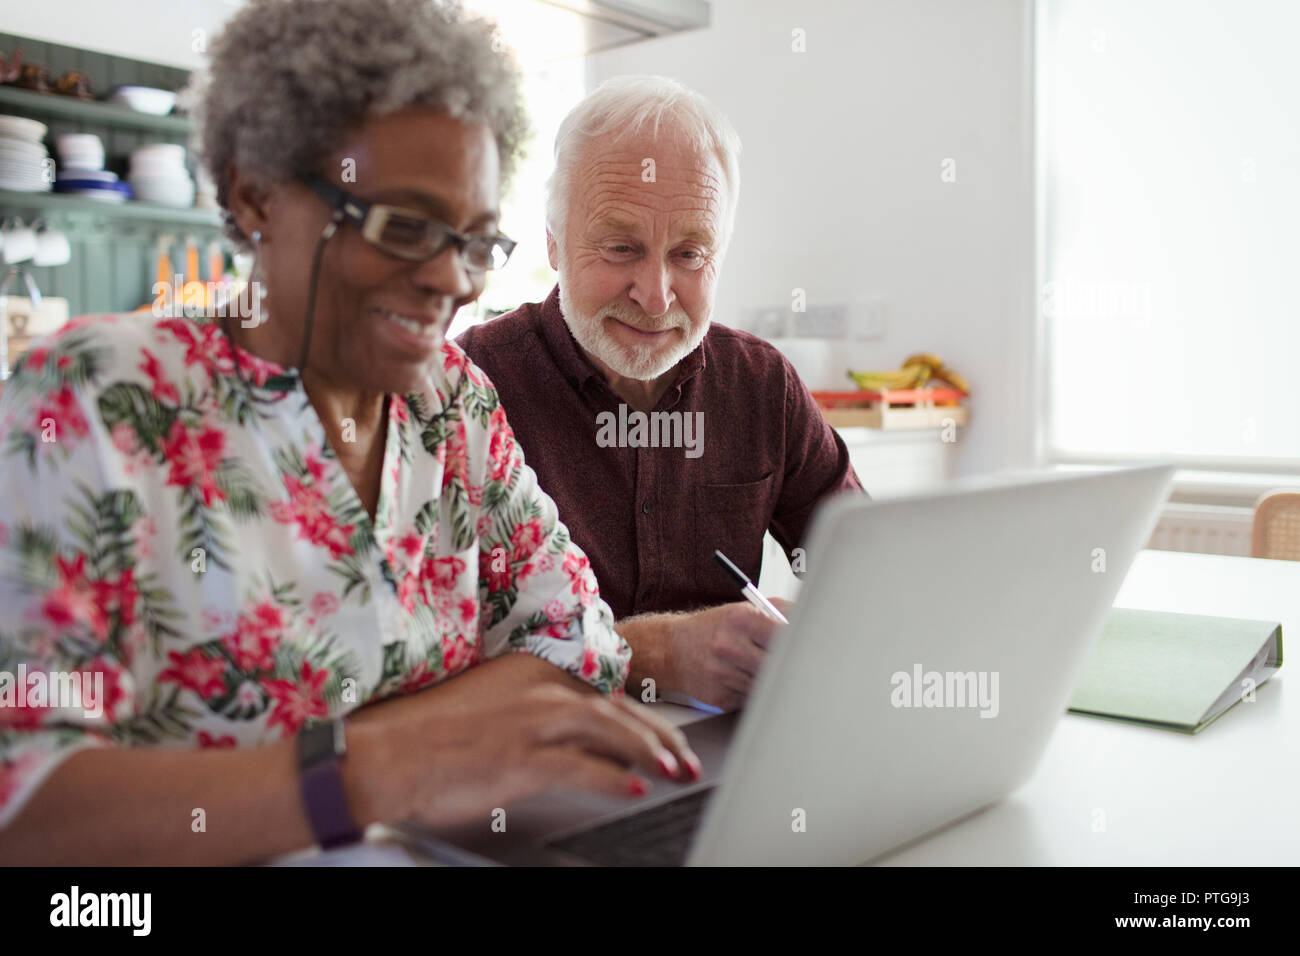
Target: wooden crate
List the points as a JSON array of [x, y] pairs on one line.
[[894, 408]]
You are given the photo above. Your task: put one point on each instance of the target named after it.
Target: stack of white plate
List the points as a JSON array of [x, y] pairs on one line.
[[23, 155], [80, 151], [81, 169], [92, 184], [158, 175]]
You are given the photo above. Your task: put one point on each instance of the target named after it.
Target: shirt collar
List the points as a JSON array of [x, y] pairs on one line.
[[579, 369], [209, 334]]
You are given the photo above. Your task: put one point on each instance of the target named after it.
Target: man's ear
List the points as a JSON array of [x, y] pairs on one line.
[[248, 201], [552, 251]]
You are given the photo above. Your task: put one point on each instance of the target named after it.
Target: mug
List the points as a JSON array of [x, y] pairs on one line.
[[52, 247], [19, 241]]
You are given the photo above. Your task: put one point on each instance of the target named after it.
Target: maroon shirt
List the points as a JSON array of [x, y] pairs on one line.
[[649, 518]]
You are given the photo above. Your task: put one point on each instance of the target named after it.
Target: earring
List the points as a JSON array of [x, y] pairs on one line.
[[258, 276]]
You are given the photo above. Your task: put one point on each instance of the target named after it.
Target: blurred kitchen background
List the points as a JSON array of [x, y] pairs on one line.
[[1086, 209]]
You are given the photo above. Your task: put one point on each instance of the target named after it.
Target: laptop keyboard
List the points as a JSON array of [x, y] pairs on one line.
[[659, 836]]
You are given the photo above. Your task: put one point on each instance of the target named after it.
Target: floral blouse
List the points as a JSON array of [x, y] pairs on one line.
[[187, 532]]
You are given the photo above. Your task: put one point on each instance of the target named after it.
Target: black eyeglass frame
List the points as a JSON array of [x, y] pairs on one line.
[[371, 218]]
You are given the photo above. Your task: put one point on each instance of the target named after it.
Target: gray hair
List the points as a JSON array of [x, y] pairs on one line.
[[626, 106], [289, 79]]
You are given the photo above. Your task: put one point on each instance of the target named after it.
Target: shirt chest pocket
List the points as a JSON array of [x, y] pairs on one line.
[[731, 518]]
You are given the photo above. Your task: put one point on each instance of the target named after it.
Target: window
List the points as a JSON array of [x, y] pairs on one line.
[[1169, 183], [553, 84]]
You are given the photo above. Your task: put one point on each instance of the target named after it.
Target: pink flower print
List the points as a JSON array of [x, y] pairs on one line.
[[163, 390], [196, 671], [194, 454], [323, 604], [298, 701]]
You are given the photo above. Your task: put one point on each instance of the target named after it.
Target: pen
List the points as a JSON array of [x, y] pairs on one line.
[[747, 588]]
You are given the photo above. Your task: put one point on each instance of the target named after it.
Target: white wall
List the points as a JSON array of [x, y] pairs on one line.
[[841, 190], [841, 194], [160, 32]]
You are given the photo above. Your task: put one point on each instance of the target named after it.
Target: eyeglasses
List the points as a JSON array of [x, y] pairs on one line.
[[410, 235]]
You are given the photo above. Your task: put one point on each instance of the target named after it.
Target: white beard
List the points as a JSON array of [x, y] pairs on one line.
[[641, 363]]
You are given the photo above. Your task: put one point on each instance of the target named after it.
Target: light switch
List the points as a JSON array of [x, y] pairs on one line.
[[867, 318]]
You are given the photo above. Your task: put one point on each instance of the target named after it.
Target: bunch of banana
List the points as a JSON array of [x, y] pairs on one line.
[[909, 376], [918, 371]]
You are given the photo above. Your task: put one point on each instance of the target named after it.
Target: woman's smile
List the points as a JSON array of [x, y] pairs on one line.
[[417, 333]]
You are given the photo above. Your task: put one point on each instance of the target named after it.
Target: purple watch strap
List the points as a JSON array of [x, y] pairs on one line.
[[320, 756]]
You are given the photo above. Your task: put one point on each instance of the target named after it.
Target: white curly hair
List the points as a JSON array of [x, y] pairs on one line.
[[288, 80]]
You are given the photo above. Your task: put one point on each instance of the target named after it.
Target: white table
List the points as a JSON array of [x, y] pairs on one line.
[[1116, 794], [1228, 796]]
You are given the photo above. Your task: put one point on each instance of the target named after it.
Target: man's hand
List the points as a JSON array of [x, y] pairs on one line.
[[711, 655]]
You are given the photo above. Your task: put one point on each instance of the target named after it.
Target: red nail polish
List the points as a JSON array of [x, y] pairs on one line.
[[668, 764], [637, 787], [695, 767]]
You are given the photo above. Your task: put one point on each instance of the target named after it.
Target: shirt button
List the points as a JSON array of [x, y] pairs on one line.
[[645, 507]]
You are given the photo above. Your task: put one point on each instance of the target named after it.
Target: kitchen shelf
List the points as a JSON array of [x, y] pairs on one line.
[[13, 202], [28, 102], [114, 247]]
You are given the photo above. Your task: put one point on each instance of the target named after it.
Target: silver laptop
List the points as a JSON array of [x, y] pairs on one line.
[[931, 652]]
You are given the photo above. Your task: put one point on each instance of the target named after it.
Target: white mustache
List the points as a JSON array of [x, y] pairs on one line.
[[675, 319]]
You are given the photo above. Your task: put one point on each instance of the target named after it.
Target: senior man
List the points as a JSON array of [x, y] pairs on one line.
[[660, 436]]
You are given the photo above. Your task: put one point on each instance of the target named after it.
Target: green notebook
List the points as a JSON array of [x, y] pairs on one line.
[[1176, 671]]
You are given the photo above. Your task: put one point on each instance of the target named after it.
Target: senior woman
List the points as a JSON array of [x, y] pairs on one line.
[[254, 545]]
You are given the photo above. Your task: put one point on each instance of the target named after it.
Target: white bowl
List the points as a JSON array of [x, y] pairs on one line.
[[168, 175], [159, 172], [25, 185], [21, 148], [20, 127], [72, 167], [22, 174], [147, 190], [155, 162], [76, 172], [174, 152], [162, 189], [82, 160], [161, 182], [179, 202], [99, 195], [144, 99], [171, 193], [79, 143]]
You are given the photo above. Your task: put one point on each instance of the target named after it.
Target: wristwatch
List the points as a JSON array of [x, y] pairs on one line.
[[321, 749]]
